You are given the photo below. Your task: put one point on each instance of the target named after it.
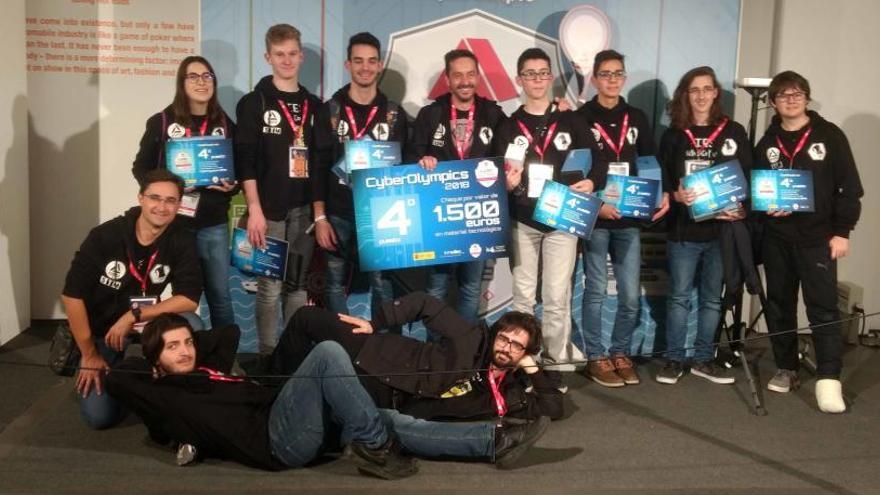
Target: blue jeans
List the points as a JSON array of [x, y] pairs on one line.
[[324, 389], [624, 246], [339, 264], [100, 412], [689, 262], [470, 280], [212, 244]]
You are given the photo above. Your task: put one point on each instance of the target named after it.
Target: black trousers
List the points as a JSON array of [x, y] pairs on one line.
[[786, 267], [311, 325]]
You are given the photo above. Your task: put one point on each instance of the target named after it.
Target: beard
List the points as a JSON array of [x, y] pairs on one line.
[[502, 364]]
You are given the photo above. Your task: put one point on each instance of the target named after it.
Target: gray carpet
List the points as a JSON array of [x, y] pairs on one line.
[[694, 437]]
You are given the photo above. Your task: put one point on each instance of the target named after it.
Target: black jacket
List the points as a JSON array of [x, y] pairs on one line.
[[570, 133], [226, 420], [100, 275], [639, 142], [213, 205], [432, 135], [262, 145], [838, 189], [676, 148], [333, 129], [462, 346]]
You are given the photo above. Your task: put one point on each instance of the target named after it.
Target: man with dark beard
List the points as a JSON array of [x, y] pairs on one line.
[[468, 372]]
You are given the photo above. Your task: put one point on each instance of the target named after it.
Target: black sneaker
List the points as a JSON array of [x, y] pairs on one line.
[[386, 462], [670, 373], [712, 372], [512, 441]]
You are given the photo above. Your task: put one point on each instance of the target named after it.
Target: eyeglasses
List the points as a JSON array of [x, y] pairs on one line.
[[608, 74], [155, 198], [206, 77], [514, 345], [531, 75], [705, 90], [794, 96]]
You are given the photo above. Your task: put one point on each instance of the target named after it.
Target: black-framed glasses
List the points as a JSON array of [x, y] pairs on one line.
[[793, 96], [514, 345], [611, 74], [155, 198], [531, 75], [194, 77]]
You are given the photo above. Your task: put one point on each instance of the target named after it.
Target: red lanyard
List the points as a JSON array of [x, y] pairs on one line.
[[469, 129], [528, 135], [709, 140], [500, 403], [305, 114], [624, 128], [216, 376], [137, 275], [797, 149], [354, 128], [202, 130]]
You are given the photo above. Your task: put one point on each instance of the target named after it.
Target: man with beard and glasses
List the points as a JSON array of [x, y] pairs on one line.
[[468, 372], [456, 126]]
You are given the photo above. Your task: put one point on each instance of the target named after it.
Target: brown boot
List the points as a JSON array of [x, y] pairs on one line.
[[625, 369], [602, 372]]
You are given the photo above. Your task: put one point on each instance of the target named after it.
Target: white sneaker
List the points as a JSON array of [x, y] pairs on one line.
[[829, 396]]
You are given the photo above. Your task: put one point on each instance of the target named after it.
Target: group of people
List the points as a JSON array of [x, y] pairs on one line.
[[413, 393]]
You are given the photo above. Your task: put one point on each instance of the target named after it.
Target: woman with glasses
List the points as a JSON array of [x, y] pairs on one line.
[[700, 136], [802, 248], [195, 112]]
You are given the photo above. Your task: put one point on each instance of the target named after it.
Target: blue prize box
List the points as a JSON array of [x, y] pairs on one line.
[[717, 188], [566, 210], [634, 197], [783, 189], [269, 262], [201, 161], [579, 160], [406, 216]]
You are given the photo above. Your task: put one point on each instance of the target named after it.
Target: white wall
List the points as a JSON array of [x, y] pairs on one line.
[[15, 305]]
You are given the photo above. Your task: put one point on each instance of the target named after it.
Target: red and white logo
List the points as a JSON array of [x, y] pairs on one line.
[[486, 173]]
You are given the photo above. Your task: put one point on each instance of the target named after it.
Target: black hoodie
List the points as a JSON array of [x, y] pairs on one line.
[[213, 205], [262, 145], [639, 142], [432, 134], [100, 274], [569, 134], [836, 182], [333, 129], [676, 148]]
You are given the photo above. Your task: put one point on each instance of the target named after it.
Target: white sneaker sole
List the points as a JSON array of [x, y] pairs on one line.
[[778, 389], [667, 380], [714, 379]]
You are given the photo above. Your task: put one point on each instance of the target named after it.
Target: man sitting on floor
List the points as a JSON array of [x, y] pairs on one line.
[[230, 417], [445, 379]]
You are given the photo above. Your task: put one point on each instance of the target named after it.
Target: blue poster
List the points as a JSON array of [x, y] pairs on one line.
[[717, 188], [789, 190], [200, 161], [269, 262], [634, 197], [566, 210], [407, 216]]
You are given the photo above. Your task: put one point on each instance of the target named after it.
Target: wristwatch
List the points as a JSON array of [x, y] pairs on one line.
[[136, 312]]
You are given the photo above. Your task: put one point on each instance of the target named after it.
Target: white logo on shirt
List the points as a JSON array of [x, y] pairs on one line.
[[115, 270], [773, 155], [596, 135], [176, 130], [521, 141], [218, 131], [817, 151], [380, 132], [272, 118], [159, 273], [440, 132], [729, 147], [632, 135], [485, 135], [342, 128], [562, 141]]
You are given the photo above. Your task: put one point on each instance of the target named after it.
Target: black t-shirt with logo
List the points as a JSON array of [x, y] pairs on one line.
[[432, 137]]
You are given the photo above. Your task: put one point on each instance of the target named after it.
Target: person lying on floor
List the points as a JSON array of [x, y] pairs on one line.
[[468, 372], [323, 405]]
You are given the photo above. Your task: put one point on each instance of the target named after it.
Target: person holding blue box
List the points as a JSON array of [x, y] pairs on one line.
[[457, 125], [700, 136], [273, 154], [357, 111], [802, 249], [622, 134], [542, 136], [195, 111]]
